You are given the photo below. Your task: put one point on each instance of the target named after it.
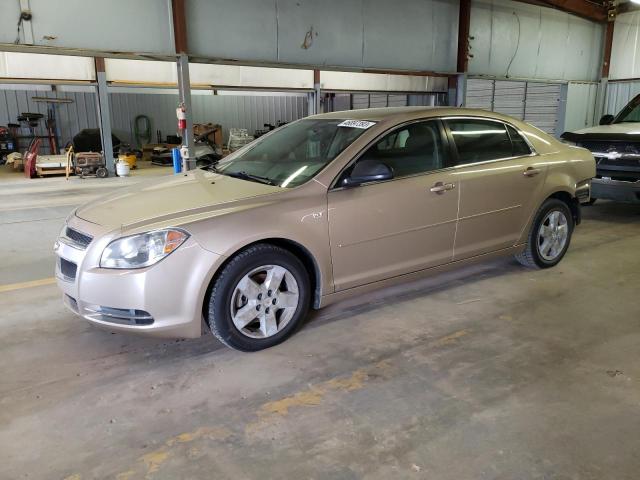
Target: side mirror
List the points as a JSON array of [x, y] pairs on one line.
[[367, 171], [606, 120]]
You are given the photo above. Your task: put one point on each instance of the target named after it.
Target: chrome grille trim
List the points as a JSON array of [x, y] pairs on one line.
[[76, 239]]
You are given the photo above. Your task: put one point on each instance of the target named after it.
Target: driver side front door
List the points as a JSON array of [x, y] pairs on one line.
[[389, 228]]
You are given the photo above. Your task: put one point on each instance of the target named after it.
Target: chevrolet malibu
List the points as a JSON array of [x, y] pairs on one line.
[[321, 209]]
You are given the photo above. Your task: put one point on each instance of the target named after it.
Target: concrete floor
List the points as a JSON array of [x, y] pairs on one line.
[[490, 372]]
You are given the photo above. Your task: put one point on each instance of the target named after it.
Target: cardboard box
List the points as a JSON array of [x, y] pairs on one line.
[[215, 137]]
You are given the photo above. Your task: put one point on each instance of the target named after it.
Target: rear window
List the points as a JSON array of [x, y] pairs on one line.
[[480, 140]]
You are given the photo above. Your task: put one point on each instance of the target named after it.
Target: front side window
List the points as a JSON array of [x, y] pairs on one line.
[[480, 140], [292, 154], [409, 150]]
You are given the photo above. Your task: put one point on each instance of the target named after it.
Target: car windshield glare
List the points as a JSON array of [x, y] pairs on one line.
[[292, 154]]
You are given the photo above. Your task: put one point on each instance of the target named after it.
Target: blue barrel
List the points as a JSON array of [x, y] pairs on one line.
[[177, 160]]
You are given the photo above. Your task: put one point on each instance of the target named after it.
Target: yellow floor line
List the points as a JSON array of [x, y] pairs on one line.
[[34, 283]]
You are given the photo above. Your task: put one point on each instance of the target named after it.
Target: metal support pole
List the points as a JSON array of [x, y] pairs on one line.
[[104, 116], [317, 92], [461, 90], [452, 84], [184, 92], [311, 103], [601, 96]]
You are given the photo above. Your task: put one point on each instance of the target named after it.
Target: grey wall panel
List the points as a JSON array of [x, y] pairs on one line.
[[625, 52], [405, 34], [116, 25], [580, 106], [244, 29], [513, 39], [410, 34], [337, 36], [71, 117], [619, 94]]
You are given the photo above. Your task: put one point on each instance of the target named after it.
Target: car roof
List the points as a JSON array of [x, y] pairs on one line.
[[407, 113]]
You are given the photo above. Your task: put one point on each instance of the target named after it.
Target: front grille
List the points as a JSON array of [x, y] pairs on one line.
[[631, 163], [605, 146], [122, 316], [80, 239], [68, 269]]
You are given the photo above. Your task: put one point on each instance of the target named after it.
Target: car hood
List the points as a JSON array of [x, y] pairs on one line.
[[170, 198], [630, 128], [625, 132]]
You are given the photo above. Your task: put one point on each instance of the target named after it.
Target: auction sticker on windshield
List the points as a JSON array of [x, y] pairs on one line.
[[357, 124]]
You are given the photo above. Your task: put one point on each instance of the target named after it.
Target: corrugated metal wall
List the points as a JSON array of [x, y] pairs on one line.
[[71, 117], [241, 111], [619, 94], [534, 102]]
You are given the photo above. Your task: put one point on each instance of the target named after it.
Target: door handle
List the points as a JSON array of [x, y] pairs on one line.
[[531, 172], [440, 187]]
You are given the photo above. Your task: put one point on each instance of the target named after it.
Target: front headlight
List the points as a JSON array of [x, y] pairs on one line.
[[142, 250]]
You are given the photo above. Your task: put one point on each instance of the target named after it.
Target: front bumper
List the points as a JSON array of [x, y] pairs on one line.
[[162, 300], [617, 190]]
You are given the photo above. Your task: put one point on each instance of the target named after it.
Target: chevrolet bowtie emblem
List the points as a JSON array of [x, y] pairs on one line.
[[613, 155]]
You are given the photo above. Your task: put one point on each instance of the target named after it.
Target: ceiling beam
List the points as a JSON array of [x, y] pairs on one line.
[[595, 11]]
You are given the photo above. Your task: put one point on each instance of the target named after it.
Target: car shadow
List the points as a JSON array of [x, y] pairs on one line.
[[136, 349], [407, 291]]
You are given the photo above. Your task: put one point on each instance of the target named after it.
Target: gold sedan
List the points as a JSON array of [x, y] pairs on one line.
[[319, 210]]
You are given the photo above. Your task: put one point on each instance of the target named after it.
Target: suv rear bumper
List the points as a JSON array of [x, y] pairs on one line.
[[617, 190]]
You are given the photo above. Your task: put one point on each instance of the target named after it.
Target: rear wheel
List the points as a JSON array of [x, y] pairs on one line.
[[102, 172], [549, 237], [259, 298]]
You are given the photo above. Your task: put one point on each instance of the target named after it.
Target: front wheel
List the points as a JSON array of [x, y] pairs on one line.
[[259, 298], [549, 237]]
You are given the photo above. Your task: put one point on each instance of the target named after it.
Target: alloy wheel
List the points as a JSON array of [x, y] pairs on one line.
[[552, 235], [264, 301]]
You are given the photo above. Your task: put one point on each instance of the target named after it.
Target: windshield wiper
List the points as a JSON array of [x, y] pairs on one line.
[[248, 176]]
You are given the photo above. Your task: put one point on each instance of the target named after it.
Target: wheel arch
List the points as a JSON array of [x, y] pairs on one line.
[[297, 249], [571, 201]]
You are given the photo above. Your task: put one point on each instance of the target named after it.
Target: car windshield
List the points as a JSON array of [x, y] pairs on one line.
[[630, 113], [292, 154]]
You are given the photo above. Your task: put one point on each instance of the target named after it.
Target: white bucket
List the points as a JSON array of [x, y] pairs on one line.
[[122, 169]]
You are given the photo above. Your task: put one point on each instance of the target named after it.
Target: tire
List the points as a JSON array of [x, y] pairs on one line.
[[102, 172], [533, 255], [229, 295]]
